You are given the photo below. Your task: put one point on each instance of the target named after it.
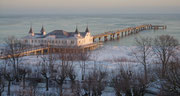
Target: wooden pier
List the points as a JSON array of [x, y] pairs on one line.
[[111, 35], [40, 50]]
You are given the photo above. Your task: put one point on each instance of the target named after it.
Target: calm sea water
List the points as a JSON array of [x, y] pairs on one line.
[[16, 25]]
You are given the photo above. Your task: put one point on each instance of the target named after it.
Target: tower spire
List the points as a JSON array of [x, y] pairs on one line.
[[87, 29], [42, 29], [76, 31], [43, 32], [31, 31]]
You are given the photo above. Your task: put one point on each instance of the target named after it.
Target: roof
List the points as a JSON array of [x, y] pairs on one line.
[[64, 34], [87, 29], [76, 31], [31, 31], [42, 29]]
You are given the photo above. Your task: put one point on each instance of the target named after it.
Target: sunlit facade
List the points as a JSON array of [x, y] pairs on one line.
[[58, 38]]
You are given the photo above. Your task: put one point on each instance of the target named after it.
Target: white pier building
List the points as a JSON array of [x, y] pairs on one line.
[[58, 38]]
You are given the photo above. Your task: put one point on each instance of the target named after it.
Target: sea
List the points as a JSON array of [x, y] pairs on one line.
[[19, 25]]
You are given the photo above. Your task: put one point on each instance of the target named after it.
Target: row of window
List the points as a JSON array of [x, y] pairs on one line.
[[51, 41]]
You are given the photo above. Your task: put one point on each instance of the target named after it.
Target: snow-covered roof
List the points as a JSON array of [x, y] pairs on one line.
[[64, 34]]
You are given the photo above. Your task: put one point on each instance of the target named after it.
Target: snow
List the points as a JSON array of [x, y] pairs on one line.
[[108, 58], [112, 52]]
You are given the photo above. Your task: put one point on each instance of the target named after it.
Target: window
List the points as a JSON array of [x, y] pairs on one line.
[[25, 41], [64, 42], [72, 42]]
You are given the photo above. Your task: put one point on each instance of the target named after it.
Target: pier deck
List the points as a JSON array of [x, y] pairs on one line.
[[125, 32], [40, 50]]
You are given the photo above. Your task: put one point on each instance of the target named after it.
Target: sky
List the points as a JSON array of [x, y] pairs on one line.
[[89, 6]]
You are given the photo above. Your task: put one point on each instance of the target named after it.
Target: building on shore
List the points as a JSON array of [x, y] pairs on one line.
[[58, 38]]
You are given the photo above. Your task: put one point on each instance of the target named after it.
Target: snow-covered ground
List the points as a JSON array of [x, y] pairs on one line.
[[107, 58]]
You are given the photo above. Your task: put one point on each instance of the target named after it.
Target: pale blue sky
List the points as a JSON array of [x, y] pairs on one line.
[[88, 6]]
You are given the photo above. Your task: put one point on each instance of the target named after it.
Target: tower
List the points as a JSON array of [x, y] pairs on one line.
[[87, 29], [31, 33], [76, 31], [77, 34], [43, 32]]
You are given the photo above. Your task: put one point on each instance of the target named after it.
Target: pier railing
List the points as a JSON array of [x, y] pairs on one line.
[[40, 50]]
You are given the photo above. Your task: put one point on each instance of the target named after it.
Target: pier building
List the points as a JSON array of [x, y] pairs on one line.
[[58, 38]]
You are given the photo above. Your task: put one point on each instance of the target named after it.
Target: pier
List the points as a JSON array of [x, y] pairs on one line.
[[41, 50], [111, 35]]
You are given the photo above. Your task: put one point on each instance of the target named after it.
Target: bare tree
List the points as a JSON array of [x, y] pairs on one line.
[[33, 86], [13, 48], [95, 83], [72, 75], [83, 56], [164, 48], [99, 82], [143, 53], [47, 67], [77, 87], [138, 86], [171, 83], [2, 83], [9, 76], [45, 72], [87, 85], [60, 76], [23, 71], [122, 82], [129, 82]]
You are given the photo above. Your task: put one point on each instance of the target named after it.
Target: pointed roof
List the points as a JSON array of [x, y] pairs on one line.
[[87, 29], [76, 31], [30, 31], [42, 29]]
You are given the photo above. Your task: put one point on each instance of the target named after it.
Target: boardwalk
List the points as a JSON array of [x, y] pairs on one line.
[[125, 32], [40, 50]]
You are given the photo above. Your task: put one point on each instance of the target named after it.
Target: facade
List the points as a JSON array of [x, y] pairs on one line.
[[58, 38]]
